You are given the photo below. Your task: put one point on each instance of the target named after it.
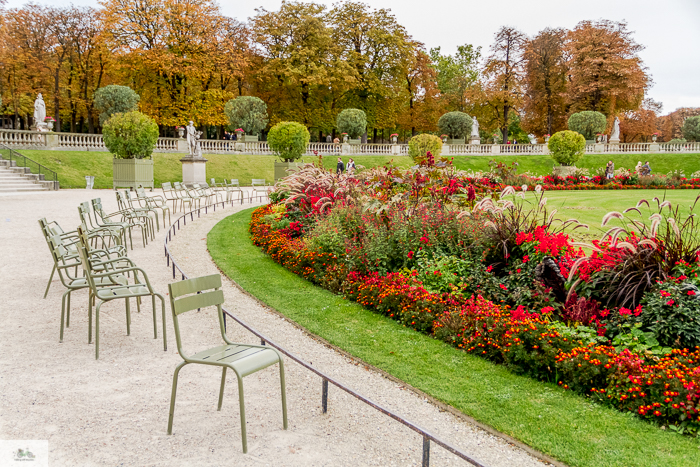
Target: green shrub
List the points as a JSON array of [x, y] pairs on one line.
[[351, 121], [288, 140], [130, 135], [566, 147], [248, 113], [678, 141], [113, 99], [673, 315], [691, 128], [419, 145], [588, 123], [456, 124]]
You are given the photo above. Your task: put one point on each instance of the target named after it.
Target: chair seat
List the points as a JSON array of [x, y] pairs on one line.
[[123, 292], [99, 281], [243, 358]]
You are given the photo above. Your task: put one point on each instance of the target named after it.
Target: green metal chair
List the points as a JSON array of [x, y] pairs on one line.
[[125, 204], [184, 195], [233, 187], [243, 359], [169, 194], [100, 231], [260, 189], [153, 202], [128, 221], [99, 290], [137, 206], [68, 241]]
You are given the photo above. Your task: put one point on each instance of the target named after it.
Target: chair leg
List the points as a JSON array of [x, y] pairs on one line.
[[90, 305], [172, 397], [165, 335], [221, 391], [53, 271], [97, 330], [241, 403], [68, 309], [63, 313], [155, 326], [284, 396], [128, 318]]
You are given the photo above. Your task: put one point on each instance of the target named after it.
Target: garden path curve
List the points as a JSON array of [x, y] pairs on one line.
[[115, 410]]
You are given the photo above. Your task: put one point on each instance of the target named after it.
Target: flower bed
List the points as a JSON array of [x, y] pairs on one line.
[[501, 281]]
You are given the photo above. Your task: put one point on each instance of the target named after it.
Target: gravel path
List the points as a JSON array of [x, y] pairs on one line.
[[114, 411]]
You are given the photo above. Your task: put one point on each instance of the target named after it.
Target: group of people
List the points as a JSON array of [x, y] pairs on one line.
[[639, 169], [341, 167]]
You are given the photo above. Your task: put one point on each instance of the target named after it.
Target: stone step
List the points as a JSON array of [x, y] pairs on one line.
[[29, 188]]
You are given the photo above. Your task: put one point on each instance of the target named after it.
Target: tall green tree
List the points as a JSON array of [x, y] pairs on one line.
[[457, 76]]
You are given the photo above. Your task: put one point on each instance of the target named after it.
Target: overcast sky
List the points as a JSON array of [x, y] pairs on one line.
[[669, 29]]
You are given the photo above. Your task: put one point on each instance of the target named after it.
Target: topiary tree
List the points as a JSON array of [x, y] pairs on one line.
[[351, 121], [130, 135], [588, 123], [248, 113], [288, 140], [113, 99], [419, 145], [678, 141], [566, 147], [456, 124], [691, 128]]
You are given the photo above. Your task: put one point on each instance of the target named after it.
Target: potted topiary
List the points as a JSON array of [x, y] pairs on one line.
[[420, 145], [588, 123], [131, 138], [457, 125], [353, 122], [566, 147], [248, 114], [289, 140]]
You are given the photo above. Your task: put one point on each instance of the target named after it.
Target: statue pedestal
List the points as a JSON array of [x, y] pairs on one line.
[[614, 141], [599, 148], [654, 147], [194, 170], [396, 149], [474, 140], [182, 146]]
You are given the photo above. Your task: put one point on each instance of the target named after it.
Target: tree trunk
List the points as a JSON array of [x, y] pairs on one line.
[[374, 136]]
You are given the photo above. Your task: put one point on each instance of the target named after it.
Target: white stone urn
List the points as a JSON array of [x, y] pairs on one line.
[[653, 138], [180, 132]]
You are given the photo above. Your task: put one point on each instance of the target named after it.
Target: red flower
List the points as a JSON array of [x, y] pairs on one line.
[[670, 302], [424, 239], [503, 286], [691, 292], [410, 255]]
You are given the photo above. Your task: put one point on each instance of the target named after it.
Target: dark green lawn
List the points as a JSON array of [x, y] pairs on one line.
[[72, 166], [544, 416]]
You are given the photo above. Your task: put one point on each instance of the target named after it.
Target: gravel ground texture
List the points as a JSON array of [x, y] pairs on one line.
[[114, 411]]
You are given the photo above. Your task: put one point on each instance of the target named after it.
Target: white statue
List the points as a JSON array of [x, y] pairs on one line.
[[615, 135], [192, 138], [39, 113], [532, 138], [475, 128]]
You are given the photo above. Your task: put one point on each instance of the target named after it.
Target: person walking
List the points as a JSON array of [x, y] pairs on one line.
[[610, 170], [340, 168], [351, 167]]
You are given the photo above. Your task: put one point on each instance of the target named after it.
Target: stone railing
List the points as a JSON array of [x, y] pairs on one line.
[[20, 139]]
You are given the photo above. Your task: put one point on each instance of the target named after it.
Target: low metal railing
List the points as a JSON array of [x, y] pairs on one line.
[[325, 379], [21, 160]]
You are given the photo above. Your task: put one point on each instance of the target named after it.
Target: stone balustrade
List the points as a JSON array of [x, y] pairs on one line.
[[20, 139]]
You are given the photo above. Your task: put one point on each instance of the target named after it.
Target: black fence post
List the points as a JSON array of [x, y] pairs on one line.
[[426, 451], [324, 396]]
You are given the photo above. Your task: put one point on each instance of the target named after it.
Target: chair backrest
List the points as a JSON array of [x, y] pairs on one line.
[[85, 259], [84, 213], [140, 192], [258, 182], [212, 182], [234, 182], [121, 201], [166, 186], [190, 294]]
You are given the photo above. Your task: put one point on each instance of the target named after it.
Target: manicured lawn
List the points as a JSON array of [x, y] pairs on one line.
[[72, 166], [556, 422], [589, 207]]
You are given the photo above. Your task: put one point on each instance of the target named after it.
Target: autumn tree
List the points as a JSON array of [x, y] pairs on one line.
[[424, 107], [457, 76], [544, 100], [606, 73], [640, 124], [377, 49], [299, 63], [504, 72]]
